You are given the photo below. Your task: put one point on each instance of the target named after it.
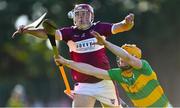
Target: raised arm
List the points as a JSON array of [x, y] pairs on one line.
[[40, 32], [118, 51], [37, 32], [83, 68], [124, 25]]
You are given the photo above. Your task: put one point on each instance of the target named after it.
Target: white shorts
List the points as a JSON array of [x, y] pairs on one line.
[[104, 91], [169, 105]]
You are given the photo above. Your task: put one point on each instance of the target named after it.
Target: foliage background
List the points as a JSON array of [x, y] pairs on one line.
[[28, 61]]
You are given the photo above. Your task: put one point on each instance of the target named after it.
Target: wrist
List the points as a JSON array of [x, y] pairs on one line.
[[129, 25], [24, 31], [105, 43], [67, 62]]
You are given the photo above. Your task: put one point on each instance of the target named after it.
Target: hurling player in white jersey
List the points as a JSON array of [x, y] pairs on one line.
[[88, 89]]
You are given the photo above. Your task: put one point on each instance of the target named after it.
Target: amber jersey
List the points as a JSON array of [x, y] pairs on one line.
[[82, 49]]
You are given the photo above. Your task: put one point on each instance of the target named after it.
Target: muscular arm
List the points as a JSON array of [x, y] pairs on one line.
[[124, 25], [88, 69], [118, 51], [84, 68], [40, 33], [121, 27]]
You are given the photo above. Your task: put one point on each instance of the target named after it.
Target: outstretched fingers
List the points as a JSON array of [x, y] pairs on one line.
[[95, 34], [129, 18], [21, 29], [100, 39]]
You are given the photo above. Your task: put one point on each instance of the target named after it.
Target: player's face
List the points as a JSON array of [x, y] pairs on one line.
[[122, 64], [82, 19]]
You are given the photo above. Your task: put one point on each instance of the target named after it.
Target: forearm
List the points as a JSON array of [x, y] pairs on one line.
[[122, 26], [40, 33], [118, 51], [87, 69]]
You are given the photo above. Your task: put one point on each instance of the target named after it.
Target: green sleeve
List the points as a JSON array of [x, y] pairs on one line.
[[115, 74], [146, 68]]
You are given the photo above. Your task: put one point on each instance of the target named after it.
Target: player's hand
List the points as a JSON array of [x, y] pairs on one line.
[[21, 29], [59, 60], [100, 39], [129, 19]]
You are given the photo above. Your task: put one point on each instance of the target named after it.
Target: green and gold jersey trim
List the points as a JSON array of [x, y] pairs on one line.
[[161, 102], [152, 98], [143, 88], [145, 91], [140, 83]]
